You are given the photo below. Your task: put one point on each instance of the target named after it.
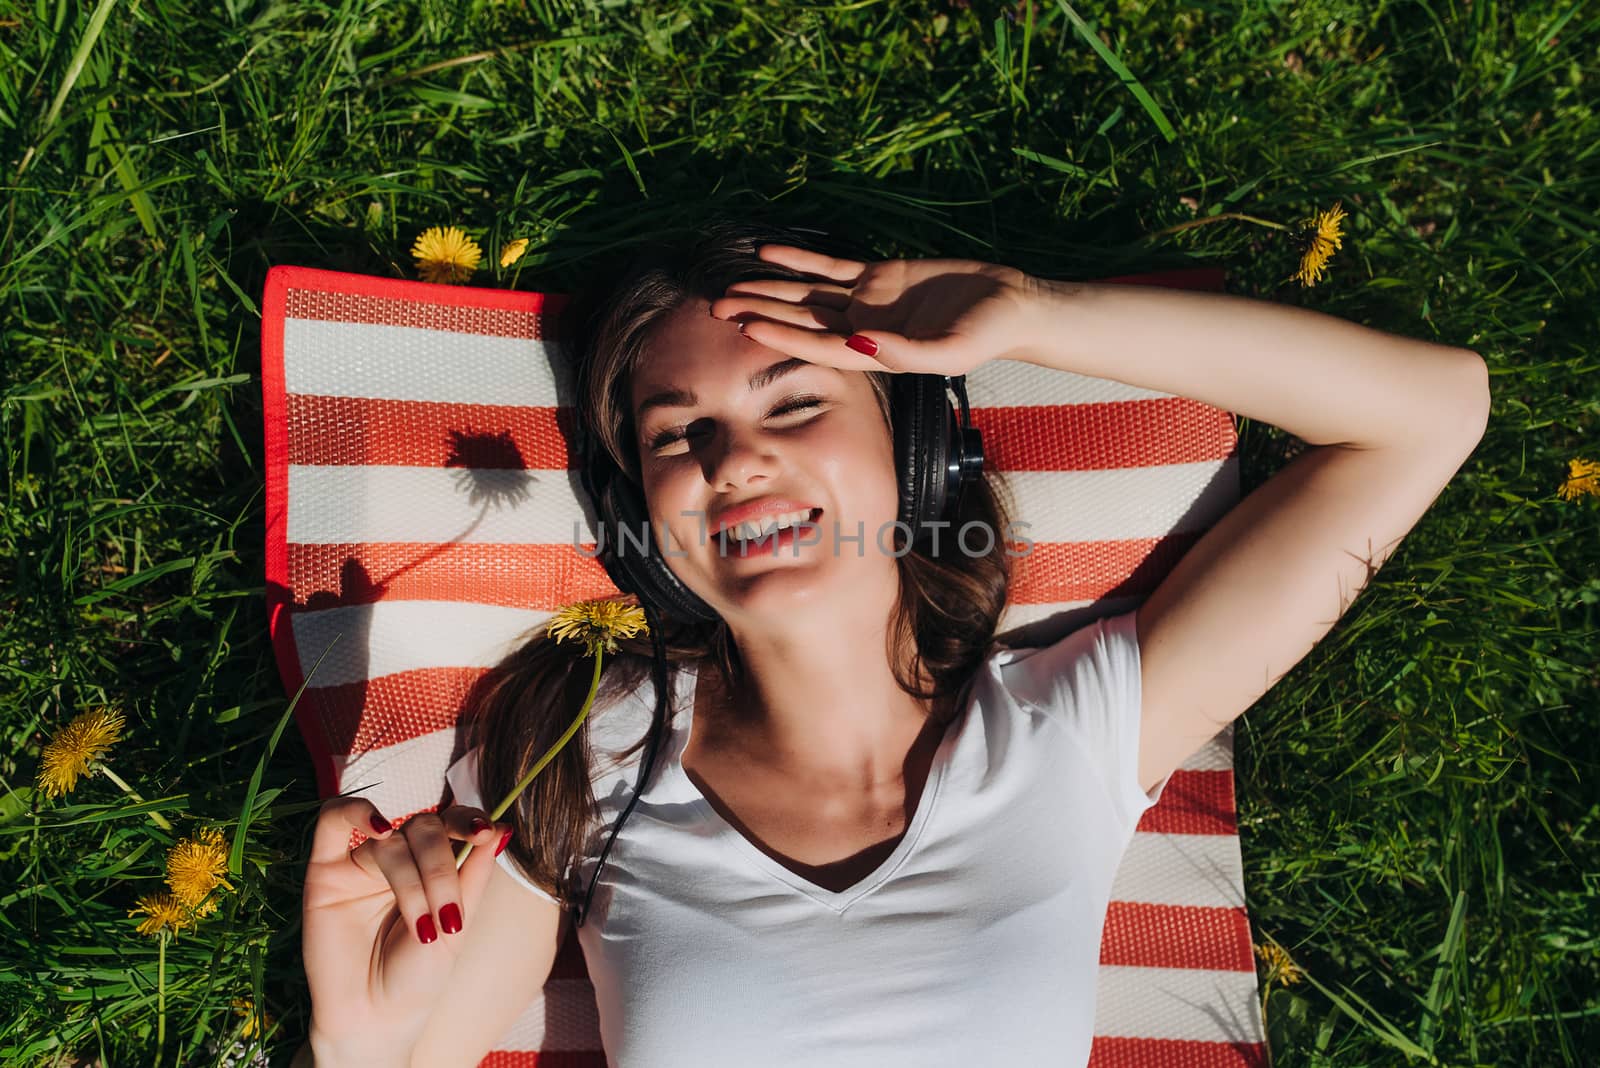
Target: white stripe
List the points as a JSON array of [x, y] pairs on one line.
[[399, 779], [376, 502], [1193, 1004], [1215, 755], [414, 363], [409, 363], [1012, 383], [363, 503], [1201, 870], [392, 636]]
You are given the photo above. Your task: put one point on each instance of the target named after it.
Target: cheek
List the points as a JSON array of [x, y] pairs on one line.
[[864, 470]]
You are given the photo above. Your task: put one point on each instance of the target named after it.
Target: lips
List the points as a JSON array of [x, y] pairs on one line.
[[757, 512], [726, 539]]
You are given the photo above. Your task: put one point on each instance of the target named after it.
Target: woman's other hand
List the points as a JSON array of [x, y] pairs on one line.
[[943, 317], [379, 922]]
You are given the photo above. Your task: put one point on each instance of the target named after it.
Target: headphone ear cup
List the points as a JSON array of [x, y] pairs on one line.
[[644, 574], [922, 424], [619, 507]]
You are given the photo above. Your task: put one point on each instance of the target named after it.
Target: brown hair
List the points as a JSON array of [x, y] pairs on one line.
[[947, 609]]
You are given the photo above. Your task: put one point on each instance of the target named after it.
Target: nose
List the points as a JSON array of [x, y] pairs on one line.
[[738, 458]]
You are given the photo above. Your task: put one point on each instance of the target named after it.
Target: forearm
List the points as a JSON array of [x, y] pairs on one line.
[[322, 1052], [1325, 380]]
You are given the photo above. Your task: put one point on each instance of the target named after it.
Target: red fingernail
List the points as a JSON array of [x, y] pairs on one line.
[[379, 824], [501, 848], [478, 825], [450, 918], [864, 345], [425, 931]]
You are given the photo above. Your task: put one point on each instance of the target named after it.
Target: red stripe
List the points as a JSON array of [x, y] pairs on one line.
[[358, 717], [1045, 437], [312, 282], [528, 1058], [363, 430], [275, 438], [1107, 1053], [538, 575], [1138, 935], [1176, 1053], [545, 576], [1103, 436], [1060, 572], [1194, 802]]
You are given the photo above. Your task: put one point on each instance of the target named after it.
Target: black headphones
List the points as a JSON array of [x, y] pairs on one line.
[[936, 456]]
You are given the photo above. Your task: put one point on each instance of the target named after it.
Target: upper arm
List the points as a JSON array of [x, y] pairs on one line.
[[508, 946], [1271, 578]]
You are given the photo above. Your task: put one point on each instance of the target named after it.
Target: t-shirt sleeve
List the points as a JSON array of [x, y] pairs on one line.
[[1089, 682], [463, 780]]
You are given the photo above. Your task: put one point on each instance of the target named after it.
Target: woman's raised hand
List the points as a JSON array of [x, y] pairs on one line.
[[942, 317], [378, 921]]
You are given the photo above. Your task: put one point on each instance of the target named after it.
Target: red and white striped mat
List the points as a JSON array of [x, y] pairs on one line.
[[423, 514]]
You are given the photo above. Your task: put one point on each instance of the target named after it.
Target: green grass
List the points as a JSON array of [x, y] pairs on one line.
[[1418, 797]]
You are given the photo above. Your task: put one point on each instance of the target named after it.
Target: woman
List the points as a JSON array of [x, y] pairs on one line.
[[871, 835]]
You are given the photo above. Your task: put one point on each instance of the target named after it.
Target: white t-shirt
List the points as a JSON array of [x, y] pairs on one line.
[[976, 942]]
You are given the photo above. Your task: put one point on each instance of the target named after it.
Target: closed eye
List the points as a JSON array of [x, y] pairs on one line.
[[788, 407]]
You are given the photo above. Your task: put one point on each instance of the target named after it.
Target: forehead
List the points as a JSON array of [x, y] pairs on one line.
[[692, 354]]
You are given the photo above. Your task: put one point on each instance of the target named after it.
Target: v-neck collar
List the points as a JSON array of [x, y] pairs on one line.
[[687, 683]]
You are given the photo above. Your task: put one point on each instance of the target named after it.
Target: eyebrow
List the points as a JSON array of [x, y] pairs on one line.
[[676, 398]]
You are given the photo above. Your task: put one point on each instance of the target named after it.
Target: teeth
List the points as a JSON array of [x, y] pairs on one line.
[[752, 531]]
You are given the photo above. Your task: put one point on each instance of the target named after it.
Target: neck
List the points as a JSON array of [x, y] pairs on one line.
[[822, 706]]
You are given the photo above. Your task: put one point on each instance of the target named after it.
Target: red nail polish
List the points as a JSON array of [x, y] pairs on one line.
[[425, 931], [478, 825], [450, 918], [501, 848], [381, 825], [864, 345]]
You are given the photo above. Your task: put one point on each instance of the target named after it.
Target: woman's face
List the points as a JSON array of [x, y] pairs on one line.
[[807, 437]]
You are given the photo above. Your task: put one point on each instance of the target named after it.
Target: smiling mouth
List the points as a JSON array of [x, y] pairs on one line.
[[736, 547]]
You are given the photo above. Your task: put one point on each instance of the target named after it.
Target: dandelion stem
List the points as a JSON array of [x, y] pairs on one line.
[[160, 820], [588, 702], [161, 998], [1209, 219]]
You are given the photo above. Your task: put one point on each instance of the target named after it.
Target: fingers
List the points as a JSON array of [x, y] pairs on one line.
[[826, 348], [336, 819], [845, 272], [801, 315], [419, 866], [825, 296]]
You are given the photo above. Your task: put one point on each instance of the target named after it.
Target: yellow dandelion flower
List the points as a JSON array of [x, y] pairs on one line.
[[196, 866], [69, 754], [1583, 476], [1327, 235], [255, 1023], [598, 624], [1279, 967], [512, 251], [446, 254], [163, 912]]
